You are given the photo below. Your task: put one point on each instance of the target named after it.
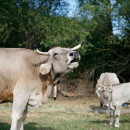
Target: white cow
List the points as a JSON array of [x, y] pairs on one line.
[[106, 79], [113, 97]]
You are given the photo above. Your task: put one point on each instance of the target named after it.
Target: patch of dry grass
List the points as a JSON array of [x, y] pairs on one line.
[[66, 115]]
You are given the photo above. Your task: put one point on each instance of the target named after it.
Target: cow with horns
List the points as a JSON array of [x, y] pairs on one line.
[[27, 77]]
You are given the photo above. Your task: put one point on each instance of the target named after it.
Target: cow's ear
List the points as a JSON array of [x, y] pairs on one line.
[[45, 68]]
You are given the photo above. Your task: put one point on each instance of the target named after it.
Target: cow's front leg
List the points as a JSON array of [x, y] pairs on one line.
[[20, 123], [117, 115], [19, 104], [112, 116]]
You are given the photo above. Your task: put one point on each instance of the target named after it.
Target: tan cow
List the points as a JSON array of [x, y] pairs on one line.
[[27, 77]]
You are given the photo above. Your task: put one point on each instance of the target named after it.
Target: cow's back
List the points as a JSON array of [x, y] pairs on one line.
[[108, 79], [14, 63]]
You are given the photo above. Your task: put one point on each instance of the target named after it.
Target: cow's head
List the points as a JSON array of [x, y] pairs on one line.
[[60, 60], [105, 94], [106, 79]]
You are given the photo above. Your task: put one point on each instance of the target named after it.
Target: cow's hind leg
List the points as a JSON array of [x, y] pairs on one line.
[[19, 105], [112, 116]]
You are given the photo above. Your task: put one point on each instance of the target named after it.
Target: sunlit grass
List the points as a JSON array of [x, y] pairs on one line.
[[60, 115]]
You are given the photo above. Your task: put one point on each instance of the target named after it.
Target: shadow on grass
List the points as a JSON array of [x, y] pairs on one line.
[[124, 121], [107, 121], [95, 107], [99, 121], [98, 109], [4, 126], [29, 126]]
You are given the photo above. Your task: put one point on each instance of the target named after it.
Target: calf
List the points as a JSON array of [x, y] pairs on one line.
[[113, 97], [106, 79]]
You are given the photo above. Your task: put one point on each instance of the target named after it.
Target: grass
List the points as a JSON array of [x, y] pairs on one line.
[[66, 115]]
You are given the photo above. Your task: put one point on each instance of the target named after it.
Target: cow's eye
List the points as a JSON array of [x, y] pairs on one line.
[[55, 54]]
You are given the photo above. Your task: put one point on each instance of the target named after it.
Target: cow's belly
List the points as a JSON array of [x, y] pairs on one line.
[[37, 99], [5, 91]]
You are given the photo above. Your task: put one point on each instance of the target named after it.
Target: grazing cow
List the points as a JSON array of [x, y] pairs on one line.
[[106, 79], [27, 77], [114, 97]]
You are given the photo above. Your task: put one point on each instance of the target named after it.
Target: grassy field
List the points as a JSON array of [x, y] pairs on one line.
[[66, 114]]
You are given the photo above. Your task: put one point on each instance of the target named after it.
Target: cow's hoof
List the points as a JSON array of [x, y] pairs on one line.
[[111, 123], [116, 125]]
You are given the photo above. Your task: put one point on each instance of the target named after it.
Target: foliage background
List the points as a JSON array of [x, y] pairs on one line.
[[102, 24]]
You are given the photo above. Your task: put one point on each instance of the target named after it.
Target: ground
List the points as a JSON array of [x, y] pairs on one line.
[[67, 114]]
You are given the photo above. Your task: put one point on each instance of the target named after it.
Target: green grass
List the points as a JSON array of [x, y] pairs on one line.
[[52, 117]]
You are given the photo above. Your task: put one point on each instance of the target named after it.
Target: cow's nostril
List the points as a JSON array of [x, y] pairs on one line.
[[71, 54], [105, 106]]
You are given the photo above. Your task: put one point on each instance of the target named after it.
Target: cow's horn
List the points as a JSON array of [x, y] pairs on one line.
[[77, 47], [41, 53]]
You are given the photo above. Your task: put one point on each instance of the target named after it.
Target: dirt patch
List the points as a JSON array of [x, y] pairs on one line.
[[76, 88]]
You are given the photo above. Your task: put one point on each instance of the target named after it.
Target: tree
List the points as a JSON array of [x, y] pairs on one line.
[[25, 22], [107, 50]]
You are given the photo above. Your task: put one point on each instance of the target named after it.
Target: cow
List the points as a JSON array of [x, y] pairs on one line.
[[106, 79], [27, 77], [113, 97]]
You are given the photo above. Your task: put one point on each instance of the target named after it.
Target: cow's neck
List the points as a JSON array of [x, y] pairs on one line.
[[121, 93], [39, 97], [51, 79]]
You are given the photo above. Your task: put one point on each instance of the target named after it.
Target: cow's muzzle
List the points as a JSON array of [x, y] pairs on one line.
[[106, 105], [75, 56], [73, 59]]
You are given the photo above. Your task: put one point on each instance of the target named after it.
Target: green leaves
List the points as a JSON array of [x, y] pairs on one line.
[[44, 23], [105, 49]]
